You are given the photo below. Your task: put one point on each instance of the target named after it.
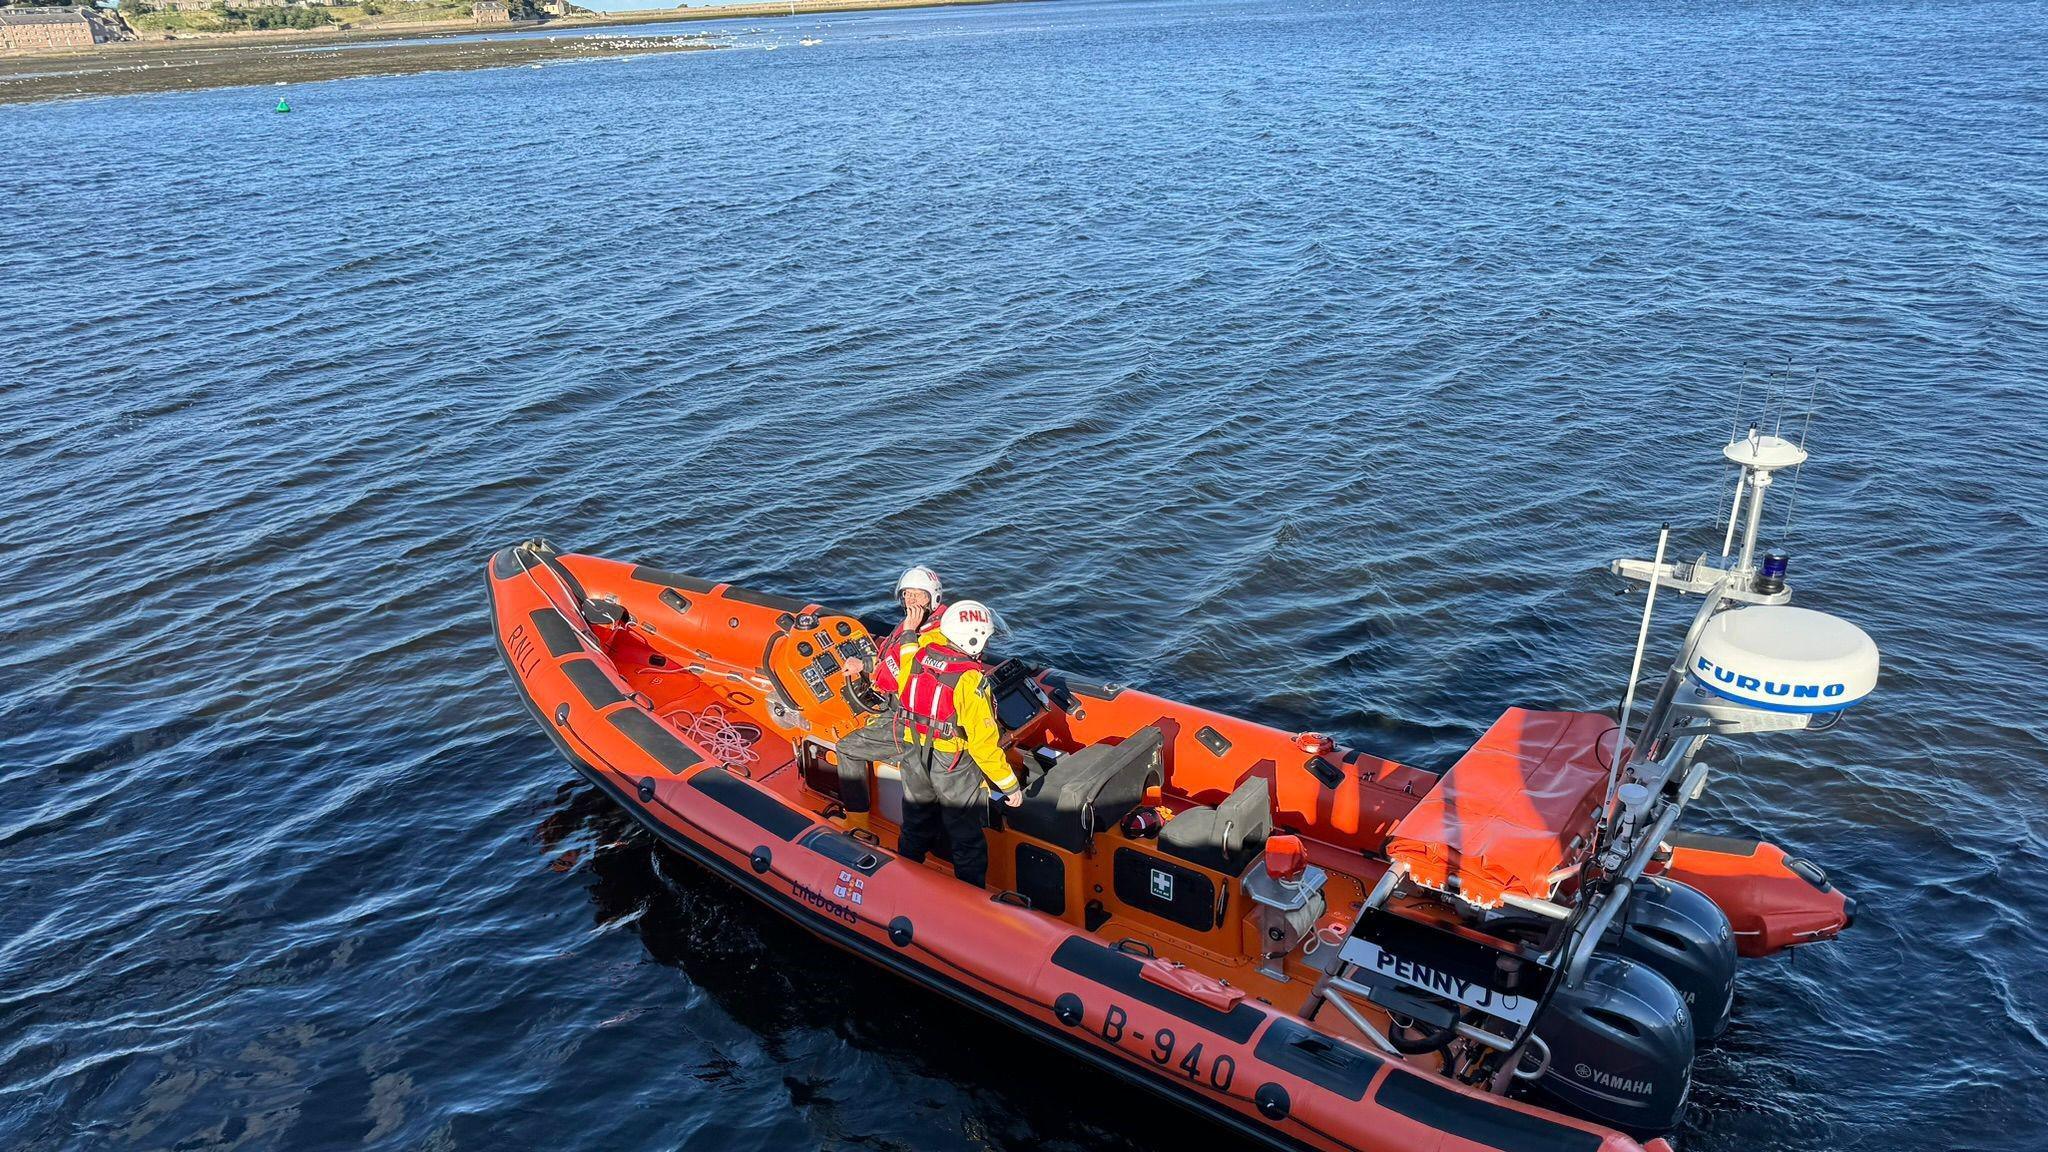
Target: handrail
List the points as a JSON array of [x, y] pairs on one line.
[[1595, 925], [1358, 1021]]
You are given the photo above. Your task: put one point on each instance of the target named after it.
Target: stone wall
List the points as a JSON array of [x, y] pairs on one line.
[[39, 31]]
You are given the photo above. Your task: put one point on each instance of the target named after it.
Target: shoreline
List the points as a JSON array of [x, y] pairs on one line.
[[178, 67], [766, 11], [191, 63]]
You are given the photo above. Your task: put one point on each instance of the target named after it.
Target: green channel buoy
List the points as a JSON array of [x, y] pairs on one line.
[[284, 106]]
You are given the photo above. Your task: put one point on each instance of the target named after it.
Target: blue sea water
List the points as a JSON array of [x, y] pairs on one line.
[[1307, 359]]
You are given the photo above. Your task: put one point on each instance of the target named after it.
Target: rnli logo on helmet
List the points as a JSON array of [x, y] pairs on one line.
[[974, 615], [1162, 884], [1786, 690]]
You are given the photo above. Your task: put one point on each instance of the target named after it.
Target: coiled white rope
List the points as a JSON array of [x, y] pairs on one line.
[[709, 727]]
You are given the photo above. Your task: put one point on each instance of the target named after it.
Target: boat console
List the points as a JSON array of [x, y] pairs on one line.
[[805, 661], [1020, 699]]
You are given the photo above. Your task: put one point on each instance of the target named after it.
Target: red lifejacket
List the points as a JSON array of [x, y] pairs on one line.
[[903, 635], [926, 698], [890, 652]]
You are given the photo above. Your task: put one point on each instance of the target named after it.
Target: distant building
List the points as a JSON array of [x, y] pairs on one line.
[[185, 6], [555, 7], [39, 30], [491, 12]]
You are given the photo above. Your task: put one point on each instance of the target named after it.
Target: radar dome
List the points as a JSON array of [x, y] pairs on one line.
[[1785, 659]]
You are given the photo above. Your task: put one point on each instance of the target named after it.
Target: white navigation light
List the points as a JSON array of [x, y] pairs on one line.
[[1785, 659]]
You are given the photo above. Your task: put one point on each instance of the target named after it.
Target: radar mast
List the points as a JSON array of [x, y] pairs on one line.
[[1759, 455]]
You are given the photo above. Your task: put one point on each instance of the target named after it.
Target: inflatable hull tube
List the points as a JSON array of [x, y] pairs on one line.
[[1773, 901]]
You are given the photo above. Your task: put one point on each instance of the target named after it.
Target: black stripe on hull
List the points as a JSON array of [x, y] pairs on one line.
[[567, 577], [555, 632], [766, 600], [771, 815], [1727, 845], [1124, 972], [1474, 1120], [646, 575], [654, 738], [593, 684], [1345, 1069]]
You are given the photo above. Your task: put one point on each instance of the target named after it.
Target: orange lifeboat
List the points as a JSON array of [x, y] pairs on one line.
[[1323, 995]]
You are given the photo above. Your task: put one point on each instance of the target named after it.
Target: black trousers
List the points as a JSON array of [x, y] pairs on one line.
[[944, 795], [860, 748], [962, 827]]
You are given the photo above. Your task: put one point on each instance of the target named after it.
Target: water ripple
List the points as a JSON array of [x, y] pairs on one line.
[[1306, 359]]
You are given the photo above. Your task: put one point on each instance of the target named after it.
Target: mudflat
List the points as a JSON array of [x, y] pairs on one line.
[[179, 66]]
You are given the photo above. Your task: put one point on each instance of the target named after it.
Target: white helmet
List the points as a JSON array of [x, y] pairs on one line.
[[968, 625], [921, 578]]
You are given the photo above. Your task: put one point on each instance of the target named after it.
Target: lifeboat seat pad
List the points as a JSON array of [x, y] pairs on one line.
[[1227, 837], [1090, 790]]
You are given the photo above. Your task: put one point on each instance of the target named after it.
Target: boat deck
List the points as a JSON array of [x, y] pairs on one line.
[[722, 710]]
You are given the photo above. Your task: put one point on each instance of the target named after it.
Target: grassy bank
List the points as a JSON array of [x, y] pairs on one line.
[[367, 15]]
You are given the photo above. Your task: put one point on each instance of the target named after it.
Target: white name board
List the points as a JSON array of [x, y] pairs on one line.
[[1377, 960]]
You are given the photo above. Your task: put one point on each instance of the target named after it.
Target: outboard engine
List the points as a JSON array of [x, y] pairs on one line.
[[1621, 1047], [1674, 929]]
